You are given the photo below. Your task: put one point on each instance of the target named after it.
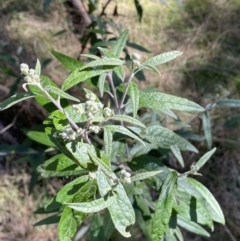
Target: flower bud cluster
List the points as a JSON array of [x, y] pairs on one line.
[[125, 176], [95, 129], [79, 109], [107, 112], [92, 106], [92, 175], [31, 76], [68, 134], [135, 57]]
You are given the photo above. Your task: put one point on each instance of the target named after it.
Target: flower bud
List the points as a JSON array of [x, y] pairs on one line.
[[24, 69], [91, 96], [136, 63], [107, 112], [135, 56], [94, 129]]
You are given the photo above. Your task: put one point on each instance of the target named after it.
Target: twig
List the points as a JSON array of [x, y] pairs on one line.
[[109, 76], [229, 233]]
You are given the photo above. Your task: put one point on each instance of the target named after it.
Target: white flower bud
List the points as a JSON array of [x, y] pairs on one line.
[[36, 78], [94, 129], [91, 96], [127, 174], [136, 63], [90, 116], [127, 180], [31, 71], [135, 56], [63, 135], [100, 105], [28, 79], [24, 69], [107, 112], [92, 175]]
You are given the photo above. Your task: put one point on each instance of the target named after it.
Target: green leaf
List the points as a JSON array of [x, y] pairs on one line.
[[106, 168], [97, 228], [14, 100], [108, 139], [138, 47], [68, 225], [68, 62], [191, 208], [205, 158], [164, 205], [121, 211], [59, 92], [101, 82], [75, 116], [212, 205], [90, 56], [159, 101], [38, 68], [59, 166], [207, 129], [229, 103], [162, 58], [76, 77], [149, 67], [139, 9], [120, 44], [102, 62], [179, 235], [191, 226], [124, 131], [177, 153], [126, 118], [93, 206], [108, 225], [48, 220], [39, 136], [165, 138], [144, 175], [134, 94]]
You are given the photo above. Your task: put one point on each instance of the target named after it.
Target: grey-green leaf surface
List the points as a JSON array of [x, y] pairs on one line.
[[233, 103], [191, 226], [14, 100], [163, 208], [144, 175], [90, 56], [165, 138], [59, 166], [212, 205], [120, 43], [126, 118], [205, 158], [134, 94], [121, 211], [162, 58], [159, 101], [97, 229], [125, 131], [76, 76], [102, 62], [92, 206], [177, 153], [38, 68], [68, 62], [101, 81], [108, 139], [207, 128], [59, 92], [99, 162]]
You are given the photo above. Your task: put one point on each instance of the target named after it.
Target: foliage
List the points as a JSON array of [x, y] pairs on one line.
[[109, 148]]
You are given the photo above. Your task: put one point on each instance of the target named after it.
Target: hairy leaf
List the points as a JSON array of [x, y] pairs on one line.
[[134, 94], [93, 206], [68, 62], [177, 153], [97, 229], [126, 118], [207, 129], [233, 103], [101, 82], [162, 58], [120, 43], [164, 206], [205, 158], [108, 139], [212, 205], [38, 68], [14, 100], [144, 175]]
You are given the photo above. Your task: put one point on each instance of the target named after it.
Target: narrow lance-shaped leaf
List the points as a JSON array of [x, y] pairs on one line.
[[38, 68], [76, 76], [108, 139], [191, 226], [103, 61], [134, 94], [93, 206], [100, 163], [90, 56], [68, 62], [125, 131], [207, 129], [212, 205], [162, 58], [101, 81], [59, 92], [120, 44], [139, 9], [14, 100], [233, 103], [177, 153], [126, 118], [144, 175], [164, 205], [97, 228], [159, 101], [205, 158], [121, 211]]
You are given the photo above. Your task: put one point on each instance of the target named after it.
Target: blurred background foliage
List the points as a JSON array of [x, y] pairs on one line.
[[208, 33]]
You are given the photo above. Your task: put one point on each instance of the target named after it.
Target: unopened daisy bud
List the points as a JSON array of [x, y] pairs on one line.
[[136, 63], [63, 135], [24, 69], [107, 112], [72, 137], [91, 96], [94, 129], [135, 56]]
